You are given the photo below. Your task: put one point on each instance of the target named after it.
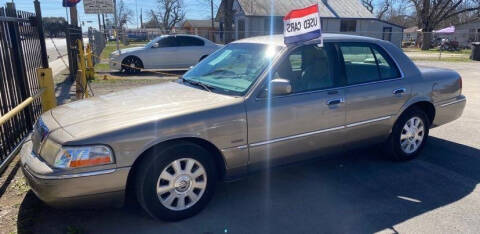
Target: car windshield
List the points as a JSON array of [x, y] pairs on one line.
[[150, 44], [234, 68]]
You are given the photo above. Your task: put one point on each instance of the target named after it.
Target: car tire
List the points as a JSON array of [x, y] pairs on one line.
[[406, 142], [132, 65], [173, 172]]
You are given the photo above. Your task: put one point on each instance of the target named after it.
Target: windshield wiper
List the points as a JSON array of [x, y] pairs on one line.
[[204, 86]]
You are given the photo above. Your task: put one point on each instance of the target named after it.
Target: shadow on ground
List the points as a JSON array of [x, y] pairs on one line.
[[354, 192]]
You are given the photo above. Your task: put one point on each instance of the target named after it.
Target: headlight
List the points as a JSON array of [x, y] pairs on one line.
[[84, 156], [114, 54]]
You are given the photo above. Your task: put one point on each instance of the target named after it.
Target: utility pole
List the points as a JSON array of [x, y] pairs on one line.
[[136, 13], [141, 18], [211, 7], [213, 24], [116, 24]]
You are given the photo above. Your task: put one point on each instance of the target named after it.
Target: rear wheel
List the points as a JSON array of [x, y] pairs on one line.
[[409, 135], [132, 64], [177, 182]]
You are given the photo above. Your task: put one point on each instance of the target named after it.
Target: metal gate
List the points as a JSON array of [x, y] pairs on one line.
[[20, 56]]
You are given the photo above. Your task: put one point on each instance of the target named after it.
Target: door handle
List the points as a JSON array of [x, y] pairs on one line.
[[335, 101], [399, 91]]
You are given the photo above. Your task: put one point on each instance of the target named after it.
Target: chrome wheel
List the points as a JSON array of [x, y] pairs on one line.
[[181, 184], [412, 135]]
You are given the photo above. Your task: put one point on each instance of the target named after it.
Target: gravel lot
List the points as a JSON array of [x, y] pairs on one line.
[[357, 192]]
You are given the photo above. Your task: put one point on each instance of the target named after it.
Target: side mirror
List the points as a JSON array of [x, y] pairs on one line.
[[280, 87], [155, 45]]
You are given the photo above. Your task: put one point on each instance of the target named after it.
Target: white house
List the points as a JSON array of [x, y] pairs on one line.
[[260, 17]]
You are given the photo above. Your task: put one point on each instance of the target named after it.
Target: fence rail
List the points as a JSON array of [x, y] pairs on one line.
[[20, 56]]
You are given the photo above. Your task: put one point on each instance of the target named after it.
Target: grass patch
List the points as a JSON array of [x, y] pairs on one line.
[[443, 59], [437, 51], [20, 186]]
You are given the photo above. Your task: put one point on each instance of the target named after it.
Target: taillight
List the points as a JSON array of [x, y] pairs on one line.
[[460, 83]]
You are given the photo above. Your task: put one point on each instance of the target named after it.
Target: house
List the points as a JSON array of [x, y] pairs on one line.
[[260, 17], [467, 33], [202, 28], [411, 34]]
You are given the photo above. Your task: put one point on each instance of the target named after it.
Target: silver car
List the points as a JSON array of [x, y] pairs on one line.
[[251, 104], [167, 52]]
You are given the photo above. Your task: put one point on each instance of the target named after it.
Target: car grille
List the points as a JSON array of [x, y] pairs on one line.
[[40, 133]]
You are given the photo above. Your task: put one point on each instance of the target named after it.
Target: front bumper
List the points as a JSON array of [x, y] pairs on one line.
[[97, 188], [115, 64]]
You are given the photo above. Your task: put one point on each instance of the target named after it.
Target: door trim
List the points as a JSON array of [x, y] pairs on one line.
[[368, 121], [296, 136]]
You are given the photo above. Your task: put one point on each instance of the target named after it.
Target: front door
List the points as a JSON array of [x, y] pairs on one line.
[[164, 56], [375, 92], [311, 118]]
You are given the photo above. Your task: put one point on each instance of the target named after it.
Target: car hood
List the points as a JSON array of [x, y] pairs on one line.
[[132, 49], [132, 107]]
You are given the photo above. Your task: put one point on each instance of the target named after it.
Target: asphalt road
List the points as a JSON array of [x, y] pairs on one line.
[[357, 192]]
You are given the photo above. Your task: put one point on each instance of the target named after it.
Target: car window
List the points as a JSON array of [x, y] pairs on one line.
[[360, 64], [167, 42], [387, 67], [234, 68], [189, 41], [309, 68], [367, 63]]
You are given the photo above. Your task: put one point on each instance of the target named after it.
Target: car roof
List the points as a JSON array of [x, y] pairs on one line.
[[277, 39]]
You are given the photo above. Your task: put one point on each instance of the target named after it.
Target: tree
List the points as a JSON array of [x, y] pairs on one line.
[[431, 13], [54, 26], [228, 19], [369, 5], [124, 15], [169, 13]]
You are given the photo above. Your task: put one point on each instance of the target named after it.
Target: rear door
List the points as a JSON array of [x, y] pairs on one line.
[[375, 92], [190, 50]]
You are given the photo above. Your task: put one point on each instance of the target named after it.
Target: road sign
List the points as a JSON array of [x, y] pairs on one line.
[[98, 6]]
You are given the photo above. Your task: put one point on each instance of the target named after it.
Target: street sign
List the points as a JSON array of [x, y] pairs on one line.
[[70, 3], [302, 25], [98, 6]]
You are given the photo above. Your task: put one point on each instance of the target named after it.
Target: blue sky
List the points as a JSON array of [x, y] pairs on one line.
[[195, 9]]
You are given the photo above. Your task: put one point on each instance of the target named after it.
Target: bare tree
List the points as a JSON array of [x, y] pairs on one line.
[[384, 9], [368, 4], [124, 15], [170, 12], [431, 13]]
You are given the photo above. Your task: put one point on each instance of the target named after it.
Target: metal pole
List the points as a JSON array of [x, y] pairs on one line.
[[103, 22], [99, 22], [41, 34], [116, 24], [73, 16]]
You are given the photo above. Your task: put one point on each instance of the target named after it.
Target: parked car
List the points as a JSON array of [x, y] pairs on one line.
[[167, 52], [253, 103]]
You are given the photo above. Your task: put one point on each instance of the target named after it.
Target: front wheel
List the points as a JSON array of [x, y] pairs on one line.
[[177, 182], [132, 65], [409, 135]]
